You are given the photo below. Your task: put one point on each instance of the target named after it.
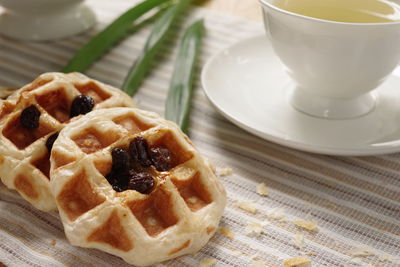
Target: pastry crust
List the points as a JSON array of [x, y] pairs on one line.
[[178, 217], [24, 160]]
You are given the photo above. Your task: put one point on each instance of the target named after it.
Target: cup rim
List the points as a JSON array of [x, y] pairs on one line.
[[361, 24]]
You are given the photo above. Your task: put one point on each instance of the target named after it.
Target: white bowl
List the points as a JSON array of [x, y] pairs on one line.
[[44, 19]]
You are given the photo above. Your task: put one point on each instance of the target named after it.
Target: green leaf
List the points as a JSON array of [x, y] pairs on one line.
[[177, 107], [104, 40], [152, 46]]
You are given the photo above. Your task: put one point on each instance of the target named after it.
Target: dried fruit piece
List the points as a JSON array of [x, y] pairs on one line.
[[82, 104], [139, 149], [118, 188], [120, 159], [161, 158], [30, 118], [141, 182], [118, 179], [111, 178], [120, 170], [50, 141]]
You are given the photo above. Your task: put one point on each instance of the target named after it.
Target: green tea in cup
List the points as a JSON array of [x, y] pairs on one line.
[[353, 11]]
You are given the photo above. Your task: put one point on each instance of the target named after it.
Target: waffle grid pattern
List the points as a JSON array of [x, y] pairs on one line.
[[177, 218], [23, 151]]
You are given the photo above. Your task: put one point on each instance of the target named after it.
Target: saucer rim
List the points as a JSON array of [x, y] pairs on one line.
[[368, 150]]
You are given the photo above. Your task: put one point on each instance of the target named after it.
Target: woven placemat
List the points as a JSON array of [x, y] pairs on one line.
[[354, 202]]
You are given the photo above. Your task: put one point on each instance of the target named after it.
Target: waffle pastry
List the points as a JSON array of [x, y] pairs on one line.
[[177, 216], [24, 158]]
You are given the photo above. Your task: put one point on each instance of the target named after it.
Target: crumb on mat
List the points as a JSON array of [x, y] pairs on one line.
[[254, 229], [262, 189], [301, 261], [207, 262], [307, 225], [247, 206], [227, 232]]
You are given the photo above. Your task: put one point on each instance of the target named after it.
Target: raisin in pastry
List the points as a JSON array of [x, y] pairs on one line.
[[30, 120], [135, 187]]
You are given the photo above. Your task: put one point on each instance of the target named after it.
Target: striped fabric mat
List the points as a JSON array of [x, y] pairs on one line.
[[355, 201]]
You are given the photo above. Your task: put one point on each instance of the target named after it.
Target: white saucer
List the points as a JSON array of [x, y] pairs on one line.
[[249, 86]]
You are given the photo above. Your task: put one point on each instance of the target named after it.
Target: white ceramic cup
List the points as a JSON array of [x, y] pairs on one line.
[[41, 20], [335, 65]]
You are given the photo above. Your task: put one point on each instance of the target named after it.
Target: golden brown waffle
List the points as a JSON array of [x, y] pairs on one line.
[[24, 158], [178, 217]]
